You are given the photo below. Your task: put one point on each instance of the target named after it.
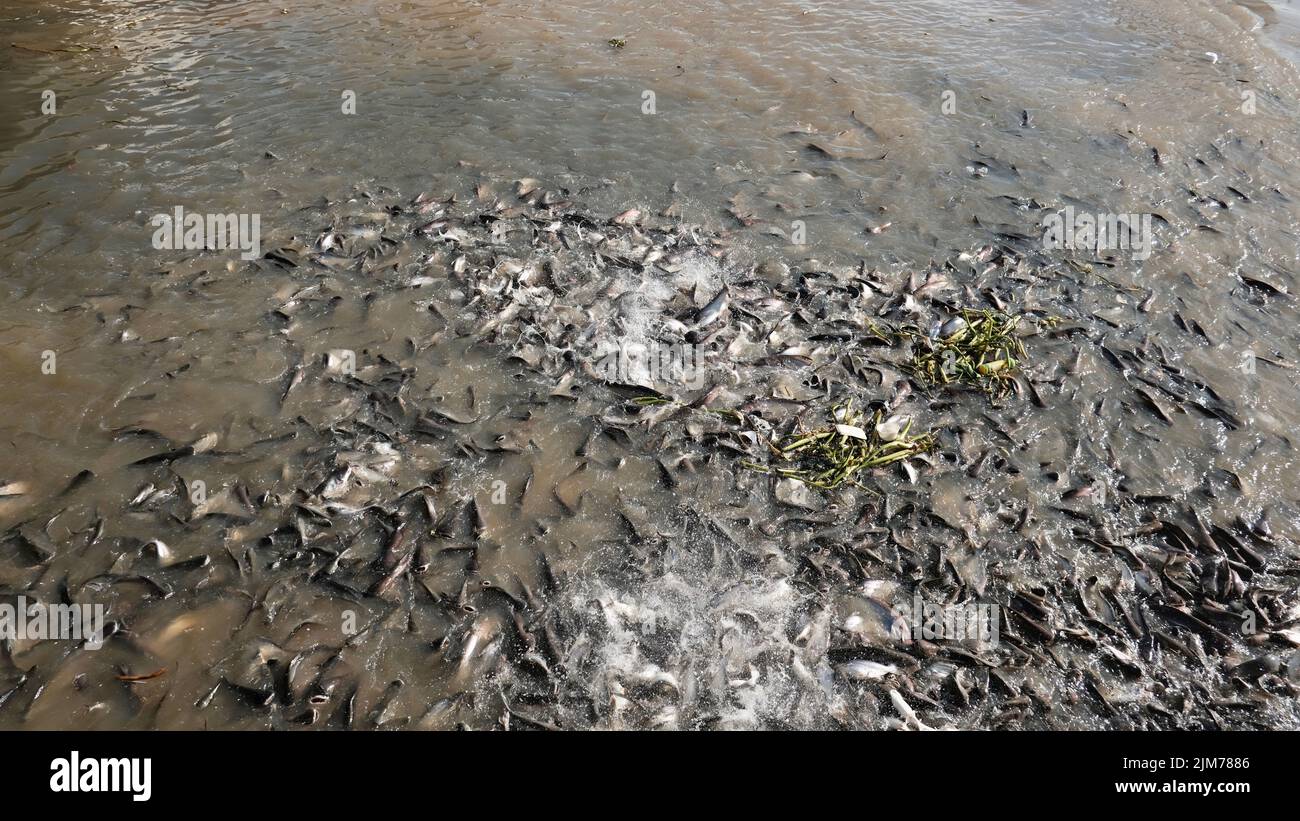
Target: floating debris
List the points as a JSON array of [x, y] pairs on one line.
[[976, 347], [828, 457]]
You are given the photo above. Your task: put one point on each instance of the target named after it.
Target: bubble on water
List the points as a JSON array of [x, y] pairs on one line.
[[711, 642]]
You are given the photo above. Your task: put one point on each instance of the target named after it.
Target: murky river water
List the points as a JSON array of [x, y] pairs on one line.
[[469, 529]]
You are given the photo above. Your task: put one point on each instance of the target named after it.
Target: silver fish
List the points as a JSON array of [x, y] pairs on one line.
[[710, 313], [866, 670], [893, 427]]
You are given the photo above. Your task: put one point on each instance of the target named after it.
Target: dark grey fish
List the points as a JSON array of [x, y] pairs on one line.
[[77, 481], [295, 377]]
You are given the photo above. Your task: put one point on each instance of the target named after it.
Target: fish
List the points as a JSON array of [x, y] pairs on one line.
[[713, 310], [861, 670], [485, 628], [893, 428], [14, 488], [911, 720], [951, 329], [385, 584], [296, 375], [77, 481], [337, 484]]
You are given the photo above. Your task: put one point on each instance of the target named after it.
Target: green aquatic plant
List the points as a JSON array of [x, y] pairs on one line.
[[830, 456], [650, 400], [976, 347]]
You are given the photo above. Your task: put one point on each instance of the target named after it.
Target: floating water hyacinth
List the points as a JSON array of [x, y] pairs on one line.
[[977, 347], [830, 456]]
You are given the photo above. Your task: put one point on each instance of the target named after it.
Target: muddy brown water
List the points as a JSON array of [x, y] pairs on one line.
[[608, 590]]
